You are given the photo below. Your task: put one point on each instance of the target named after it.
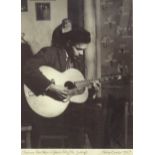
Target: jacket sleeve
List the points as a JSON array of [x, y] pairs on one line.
[[33, 78]]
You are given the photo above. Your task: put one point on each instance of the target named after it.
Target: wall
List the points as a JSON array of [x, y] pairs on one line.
[[39, 33], [116, 41], [116, 58]]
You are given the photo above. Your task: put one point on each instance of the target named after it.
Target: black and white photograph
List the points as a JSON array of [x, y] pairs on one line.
[[77, 74]]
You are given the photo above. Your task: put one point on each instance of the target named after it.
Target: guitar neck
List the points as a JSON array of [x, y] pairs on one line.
[[84, 83], [87, 83]]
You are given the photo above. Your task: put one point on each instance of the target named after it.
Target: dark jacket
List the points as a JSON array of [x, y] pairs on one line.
[[57, 36], [50, 56]]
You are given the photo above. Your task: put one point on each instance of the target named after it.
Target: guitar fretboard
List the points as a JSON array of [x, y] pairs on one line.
[[86, 83]]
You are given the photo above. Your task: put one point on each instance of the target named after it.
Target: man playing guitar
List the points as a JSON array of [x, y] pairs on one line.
[[61, 58]]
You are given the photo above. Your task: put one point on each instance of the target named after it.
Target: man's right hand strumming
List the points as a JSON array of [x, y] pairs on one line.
[[58, 92]]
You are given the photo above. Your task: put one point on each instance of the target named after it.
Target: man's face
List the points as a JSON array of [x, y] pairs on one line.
[[79, 49]]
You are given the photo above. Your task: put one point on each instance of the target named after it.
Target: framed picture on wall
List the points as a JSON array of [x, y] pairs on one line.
[[24, 5], [43, 11]]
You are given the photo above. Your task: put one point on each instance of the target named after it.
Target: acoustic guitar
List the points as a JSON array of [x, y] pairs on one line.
[[50, 106]]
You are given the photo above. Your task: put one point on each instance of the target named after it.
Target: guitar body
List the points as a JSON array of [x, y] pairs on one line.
[[48, 106]]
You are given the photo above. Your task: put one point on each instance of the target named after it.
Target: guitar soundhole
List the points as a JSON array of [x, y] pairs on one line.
[[70, 85]]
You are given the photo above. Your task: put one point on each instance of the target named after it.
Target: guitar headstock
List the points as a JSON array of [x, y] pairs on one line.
[[116, 78], [111, 77]]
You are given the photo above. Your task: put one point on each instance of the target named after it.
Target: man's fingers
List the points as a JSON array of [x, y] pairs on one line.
[[97, 85]]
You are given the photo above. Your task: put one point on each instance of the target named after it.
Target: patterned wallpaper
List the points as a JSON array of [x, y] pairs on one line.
[[116, 43]]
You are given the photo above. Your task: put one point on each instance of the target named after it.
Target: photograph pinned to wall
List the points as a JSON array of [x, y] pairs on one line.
[[43, 11], [24, 5]]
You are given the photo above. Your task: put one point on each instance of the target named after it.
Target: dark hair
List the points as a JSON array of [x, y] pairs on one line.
[[78, 36]]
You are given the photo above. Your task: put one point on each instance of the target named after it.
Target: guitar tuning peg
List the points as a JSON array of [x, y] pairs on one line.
[[119, 77]]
